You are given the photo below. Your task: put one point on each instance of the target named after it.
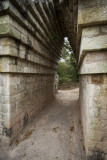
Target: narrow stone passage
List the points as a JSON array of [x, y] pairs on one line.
[[56, 134]]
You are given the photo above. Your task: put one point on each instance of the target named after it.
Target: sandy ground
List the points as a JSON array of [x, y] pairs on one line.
[[56, 133]]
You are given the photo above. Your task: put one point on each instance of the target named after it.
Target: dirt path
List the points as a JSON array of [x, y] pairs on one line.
[[56, 133]]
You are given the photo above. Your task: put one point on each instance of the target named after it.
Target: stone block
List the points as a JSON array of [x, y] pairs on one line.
[[4, 29], [91, 31], [15, 33], [15, 11], [83, 4], [93, 62], [92, 15], [93, 43], [104, 29]]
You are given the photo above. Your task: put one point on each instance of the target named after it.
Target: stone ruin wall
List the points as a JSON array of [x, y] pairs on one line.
[[30, 44], [29, 54], [85, 24], [92, 25]]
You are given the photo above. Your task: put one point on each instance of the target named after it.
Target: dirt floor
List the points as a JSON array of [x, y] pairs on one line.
[[56, 133], [69, 86]]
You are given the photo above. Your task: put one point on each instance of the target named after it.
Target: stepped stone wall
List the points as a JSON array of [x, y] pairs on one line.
[[92, 23], [29, 54]]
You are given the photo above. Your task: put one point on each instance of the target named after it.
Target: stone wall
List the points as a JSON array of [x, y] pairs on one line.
[[22, 98], [29, 52], [92, 39], [85, 24], [31, 37], [93, 98]]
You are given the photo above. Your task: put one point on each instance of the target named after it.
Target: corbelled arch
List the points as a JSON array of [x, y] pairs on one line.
[[31, 38]]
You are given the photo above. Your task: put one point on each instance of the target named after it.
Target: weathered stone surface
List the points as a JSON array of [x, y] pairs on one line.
[[104, 29], [83, 4], [92, 41], [31, 37], [92, 15], [94, 62], [94, 105], [24, 48], [91, 31], [21, 99]]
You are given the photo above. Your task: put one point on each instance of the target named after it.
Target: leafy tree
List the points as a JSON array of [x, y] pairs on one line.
[[67, 69]]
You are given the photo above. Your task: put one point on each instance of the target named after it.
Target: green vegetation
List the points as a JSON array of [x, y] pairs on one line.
[[55, 36], [67, 69]]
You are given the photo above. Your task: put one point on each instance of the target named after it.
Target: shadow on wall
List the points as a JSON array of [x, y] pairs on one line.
[[97, 156]]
